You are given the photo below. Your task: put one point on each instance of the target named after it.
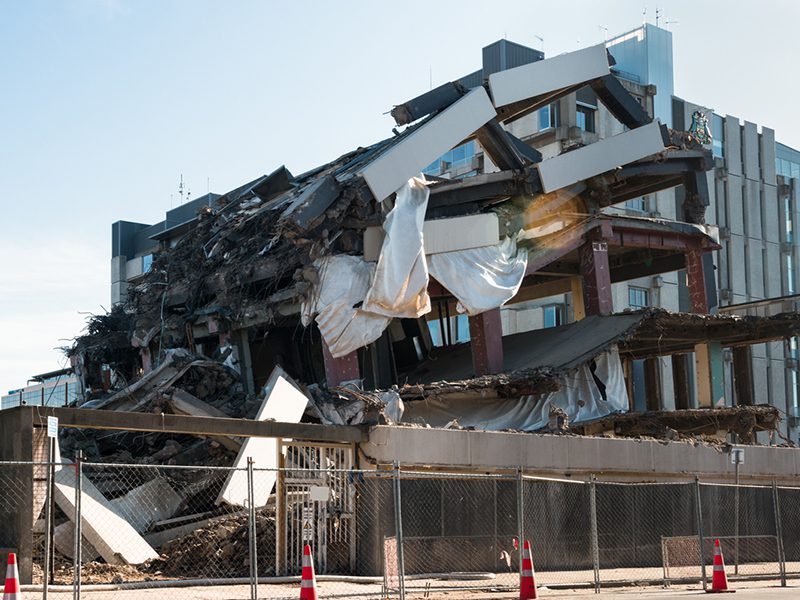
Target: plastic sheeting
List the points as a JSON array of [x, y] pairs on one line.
[[344, 281], [580, 398], [400, 285], [481, 278]]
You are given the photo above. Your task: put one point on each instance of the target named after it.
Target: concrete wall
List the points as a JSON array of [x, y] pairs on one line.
[[611, 459]]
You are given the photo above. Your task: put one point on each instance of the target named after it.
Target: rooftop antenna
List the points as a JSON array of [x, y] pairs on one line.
[[672, 22], [658, 15], [541, 41], [644, 15], [180, 189], [605, 32]]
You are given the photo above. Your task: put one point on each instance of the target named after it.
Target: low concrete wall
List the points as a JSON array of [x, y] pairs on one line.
[[611, 459]]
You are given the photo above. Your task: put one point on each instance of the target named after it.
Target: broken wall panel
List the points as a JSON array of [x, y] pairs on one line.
[[389, 171], [541, 77], [571, 167], [444, 235], [284, 403], [112, 536]]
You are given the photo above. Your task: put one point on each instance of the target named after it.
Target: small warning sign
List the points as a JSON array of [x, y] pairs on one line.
[[308, 524]]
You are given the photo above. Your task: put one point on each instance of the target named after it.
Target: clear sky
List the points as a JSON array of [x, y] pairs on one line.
[[105, 103]]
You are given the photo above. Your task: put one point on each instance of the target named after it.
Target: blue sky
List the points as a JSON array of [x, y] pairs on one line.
[[105, 103]]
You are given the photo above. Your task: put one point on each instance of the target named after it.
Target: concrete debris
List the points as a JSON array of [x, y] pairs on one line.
[[112, 536]]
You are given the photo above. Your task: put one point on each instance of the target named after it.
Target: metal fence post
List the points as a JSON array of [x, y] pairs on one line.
[[779, 532], [594, 534], [48, 519], [76, 581], [699, 506], [252, 531], [398, 522], [520, 516]]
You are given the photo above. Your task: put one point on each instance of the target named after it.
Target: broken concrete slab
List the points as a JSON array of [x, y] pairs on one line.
[[283, 402], [544, 76], [184, 403], [152, 501], [444, 235], [571, 167], [394, 167], [114, 538]]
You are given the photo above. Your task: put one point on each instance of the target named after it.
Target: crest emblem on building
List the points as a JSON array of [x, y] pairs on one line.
[[699, 128]]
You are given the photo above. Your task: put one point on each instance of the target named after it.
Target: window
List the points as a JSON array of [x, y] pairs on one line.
[[638, 297], [637, 204], [549, 117], [456, 158], [147, 263], [585, 118], [456, 333], [553, 315], [718, 136]]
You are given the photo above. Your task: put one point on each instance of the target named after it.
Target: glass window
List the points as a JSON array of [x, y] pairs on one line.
[[585, 118], [459, 330], [795, 170], [549, 117], [637, 204], [553, 315], [638, 297], [718, 136], [147, 263]]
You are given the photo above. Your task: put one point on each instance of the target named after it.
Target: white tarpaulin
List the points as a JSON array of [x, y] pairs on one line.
[[580, 398], [343, 283], [481, 278], [400, 285]]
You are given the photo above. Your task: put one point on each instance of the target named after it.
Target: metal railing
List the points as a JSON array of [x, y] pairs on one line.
[[82, 527]]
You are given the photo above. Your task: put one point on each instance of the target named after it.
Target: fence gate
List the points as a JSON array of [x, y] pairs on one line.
[[316, 506]]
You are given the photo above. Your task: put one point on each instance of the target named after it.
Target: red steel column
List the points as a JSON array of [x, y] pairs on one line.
[[340, 369], [596, 276], [696, 281], [486, 341]]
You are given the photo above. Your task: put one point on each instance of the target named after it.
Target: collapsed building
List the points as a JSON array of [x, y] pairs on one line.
[[329, 299]]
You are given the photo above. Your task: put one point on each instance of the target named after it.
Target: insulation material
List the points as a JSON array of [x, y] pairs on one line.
[[284, 403], [400, 285], [344, 281], [481, 278], [580, 398]]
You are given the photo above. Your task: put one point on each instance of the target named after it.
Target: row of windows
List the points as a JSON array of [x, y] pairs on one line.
[[550, 117], [459, 156], [59, 394], [787, 168]]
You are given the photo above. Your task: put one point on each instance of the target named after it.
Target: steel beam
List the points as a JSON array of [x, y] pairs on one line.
[[486, 342], [596, 277]]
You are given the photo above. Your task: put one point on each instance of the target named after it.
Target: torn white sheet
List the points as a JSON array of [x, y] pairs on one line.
[[481, 278], [284, 403], [343, 282], [579, 397], [400, 285]]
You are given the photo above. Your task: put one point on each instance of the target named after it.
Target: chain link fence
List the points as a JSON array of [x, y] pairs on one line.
[[194, 532]]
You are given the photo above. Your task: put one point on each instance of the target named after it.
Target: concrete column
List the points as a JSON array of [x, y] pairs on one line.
[[696, 282], [340, 369], [596, 277], [486, 341], [680, 381], [710, 385], [147, 360], [578, 307], [246, 361]]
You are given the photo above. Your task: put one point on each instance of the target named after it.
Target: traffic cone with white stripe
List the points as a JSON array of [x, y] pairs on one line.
[[527, 580], [719, 581], [11, 591], [308, 582]]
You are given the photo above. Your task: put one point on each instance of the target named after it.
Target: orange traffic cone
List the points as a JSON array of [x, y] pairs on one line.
[[308, 583], [11, 591], [527, 581], [719, 581]]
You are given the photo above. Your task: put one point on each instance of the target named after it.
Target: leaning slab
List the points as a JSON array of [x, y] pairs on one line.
[[571, 167], [545, 76], [405, 159], [284, 403], [112, 536]]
